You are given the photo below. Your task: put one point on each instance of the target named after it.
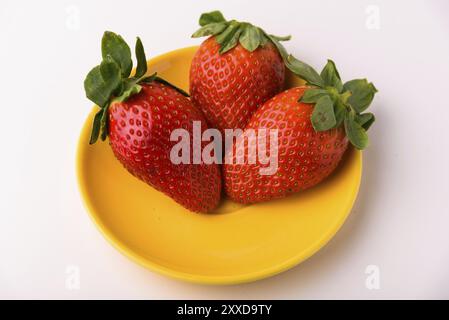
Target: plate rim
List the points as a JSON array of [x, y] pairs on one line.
[[192, 277]]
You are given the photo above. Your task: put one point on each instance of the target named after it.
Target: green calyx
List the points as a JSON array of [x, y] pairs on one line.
[[336, 103], [111, 81], [230, 33]]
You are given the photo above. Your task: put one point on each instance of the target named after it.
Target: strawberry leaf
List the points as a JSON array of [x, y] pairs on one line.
[[362, 93], [141, 68], [93, 85], [104, 123], [110, 72], [331, 77], [278, 45], [130, 88], [355, 132], [231, 43], [323, 117], [340, 112], [210, 29], [149, 79], [264, 39], [229, 38], [250, 38], [304, 71], [102, 81], [312, 95], [96, 127], [113, 45], [211, 17], [278, 38], [365, 120]]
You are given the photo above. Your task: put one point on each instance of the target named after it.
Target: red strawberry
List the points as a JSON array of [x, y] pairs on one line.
[[139, 134], [311, 139], [139, 114], [234, 71]]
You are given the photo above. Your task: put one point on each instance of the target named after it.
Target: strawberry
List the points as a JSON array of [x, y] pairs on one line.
[[314, 124], [234, 71], [139, 114]]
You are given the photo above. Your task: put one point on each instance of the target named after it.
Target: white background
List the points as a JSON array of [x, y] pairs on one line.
[[400, 222]]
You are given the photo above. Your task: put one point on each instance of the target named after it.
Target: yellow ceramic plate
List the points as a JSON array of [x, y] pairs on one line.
[[237, 243]]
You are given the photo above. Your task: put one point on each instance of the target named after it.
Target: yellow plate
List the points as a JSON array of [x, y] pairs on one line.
[[237, 243]]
